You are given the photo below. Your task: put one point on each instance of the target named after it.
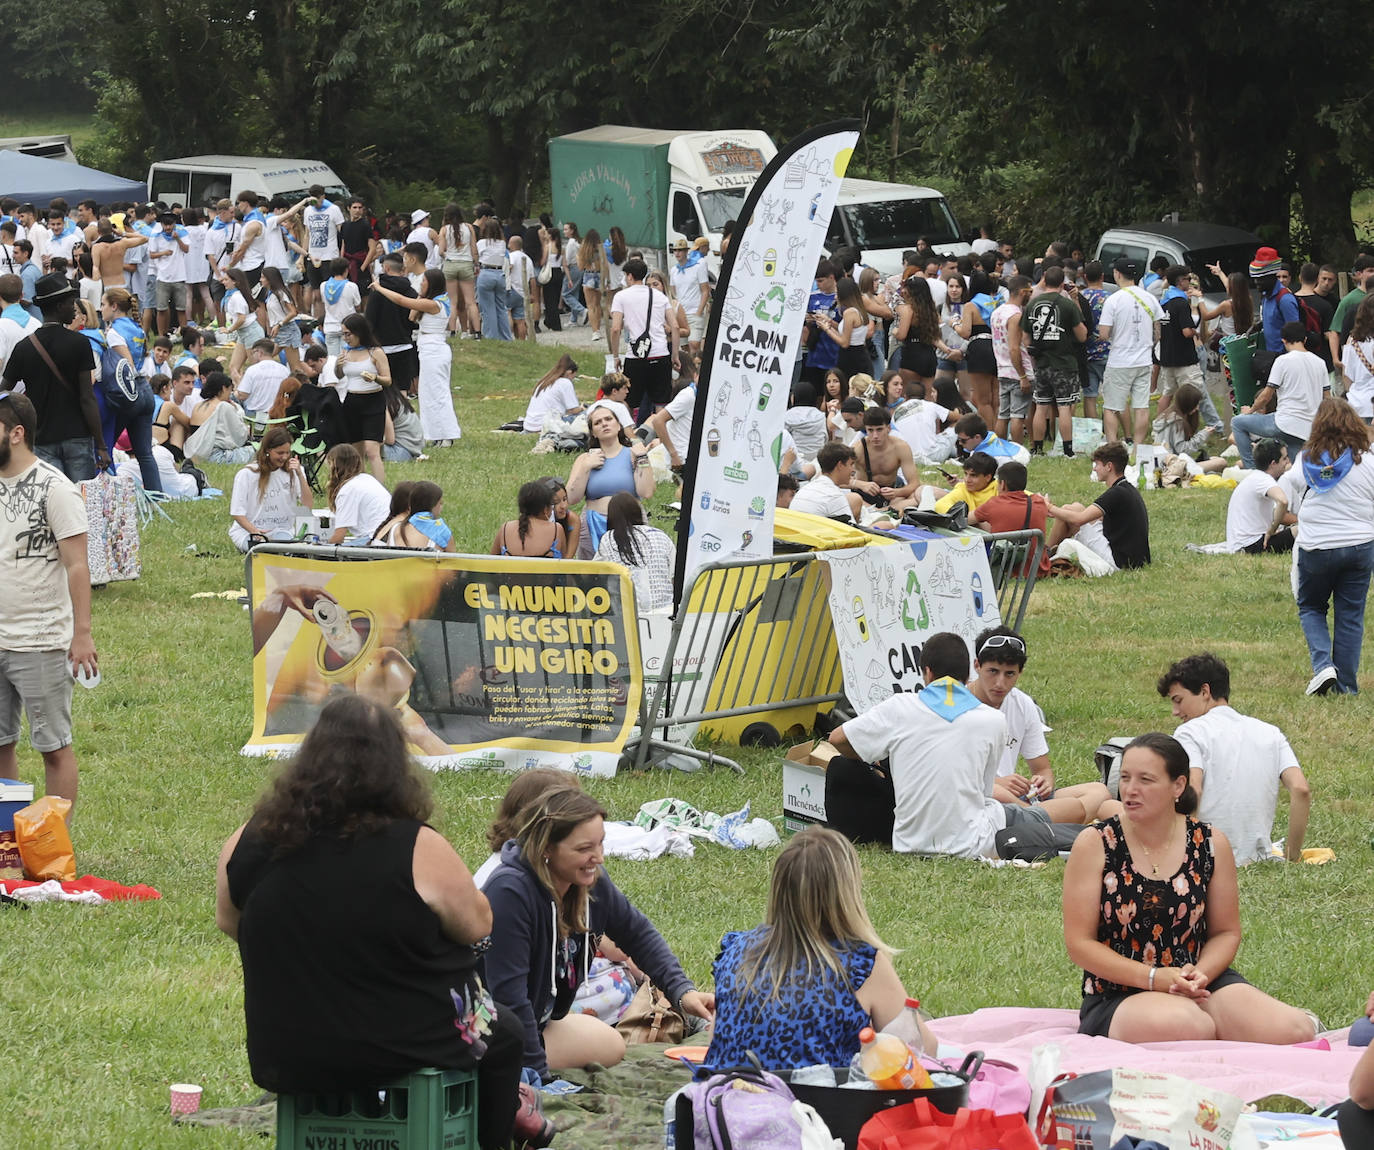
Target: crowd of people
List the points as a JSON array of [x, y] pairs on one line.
[[278, 337]]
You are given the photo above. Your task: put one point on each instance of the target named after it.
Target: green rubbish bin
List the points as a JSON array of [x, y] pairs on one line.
[[1238, 353]]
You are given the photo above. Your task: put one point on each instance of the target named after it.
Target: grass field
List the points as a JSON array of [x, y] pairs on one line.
[[104, 1007]]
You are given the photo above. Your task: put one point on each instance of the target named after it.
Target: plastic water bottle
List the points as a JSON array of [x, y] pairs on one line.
[[907, 1026], [888, 1062]]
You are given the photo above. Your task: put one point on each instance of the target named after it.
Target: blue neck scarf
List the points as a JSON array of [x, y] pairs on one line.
[[1325, 474], [431, 528], [985, 304], [1173, 293], [332, 290], [948, 698]]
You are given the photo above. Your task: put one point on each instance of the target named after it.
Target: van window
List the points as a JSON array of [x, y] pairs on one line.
[[900, 223], [170, 186], [1233, 258], [209, 187], [834, 235], [685, 216], [1112, 251]]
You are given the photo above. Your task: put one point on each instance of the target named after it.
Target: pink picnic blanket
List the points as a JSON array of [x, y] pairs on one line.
[[1246, 1069]]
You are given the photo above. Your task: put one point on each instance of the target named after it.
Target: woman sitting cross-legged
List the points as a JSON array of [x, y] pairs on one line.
[[798, 989], [1151, 914], [551, 901]]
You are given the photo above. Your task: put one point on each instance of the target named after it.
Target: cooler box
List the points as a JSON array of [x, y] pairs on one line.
[[14, 797]]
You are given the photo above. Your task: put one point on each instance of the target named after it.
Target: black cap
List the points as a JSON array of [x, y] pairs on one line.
[[1127, 267]]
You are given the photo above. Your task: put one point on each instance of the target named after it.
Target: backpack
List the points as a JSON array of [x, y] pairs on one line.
[[118, 380], [1108, 760], [1310, 320], [750, 1109]]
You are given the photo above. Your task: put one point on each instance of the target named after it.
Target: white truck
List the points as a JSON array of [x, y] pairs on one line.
[[198, 181]]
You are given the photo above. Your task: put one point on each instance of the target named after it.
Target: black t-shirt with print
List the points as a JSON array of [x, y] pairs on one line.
[[59, 410], [1126, 524], [1175, 348]]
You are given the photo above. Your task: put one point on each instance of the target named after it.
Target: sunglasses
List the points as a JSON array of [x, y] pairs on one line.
[[996, 641]]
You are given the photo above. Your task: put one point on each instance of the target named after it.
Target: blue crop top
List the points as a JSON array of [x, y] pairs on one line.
[[617, 474]]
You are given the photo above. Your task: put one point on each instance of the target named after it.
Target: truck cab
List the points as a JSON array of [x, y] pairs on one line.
[[883, 220]]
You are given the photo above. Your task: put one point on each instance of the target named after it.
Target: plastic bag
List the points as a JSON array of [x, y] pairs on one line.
[[44, 844]]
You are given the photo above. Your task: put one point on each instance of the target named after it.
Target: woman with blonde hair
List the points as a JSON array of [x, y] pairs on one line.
[[798, 989], [550, 901], [1335, 550], [458, 251]]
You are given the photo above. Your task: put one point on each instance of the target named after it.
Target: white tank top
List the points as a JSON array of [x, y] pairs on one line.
[[354, 383]]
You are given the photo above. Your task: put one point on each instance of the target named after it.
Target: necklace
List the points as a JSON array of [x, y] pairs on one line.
[[1149, 854]]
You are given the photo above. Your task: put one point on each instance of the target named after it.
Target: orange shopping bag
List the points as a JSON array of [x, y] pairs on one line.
[[922, 1127]]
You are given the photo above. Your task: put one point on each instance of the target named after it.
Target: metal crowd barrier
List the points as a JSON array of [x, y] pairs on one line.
[[754, 639]]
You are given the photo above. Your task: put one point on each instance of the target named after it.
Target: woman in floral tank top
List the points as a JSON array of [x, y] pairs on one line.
[[1152, 915]]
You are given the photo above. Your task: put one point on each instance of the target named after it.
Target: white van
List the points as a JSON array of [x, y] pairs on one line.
[[199, 181], [883, 220]]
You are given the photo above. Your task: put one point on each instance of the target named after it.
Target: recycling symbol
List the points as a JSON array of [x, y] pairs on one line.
[[776, 297], [913, 591]]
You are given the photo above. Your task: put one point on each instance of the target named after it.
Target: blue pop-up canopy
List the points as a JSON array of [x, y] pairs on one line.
[[36, 180]]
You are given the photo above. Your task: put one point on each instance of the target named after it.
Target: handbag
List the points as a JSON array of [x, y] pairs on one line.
[[651, 1017], [921, 1126], [642, 344], [545, 274]]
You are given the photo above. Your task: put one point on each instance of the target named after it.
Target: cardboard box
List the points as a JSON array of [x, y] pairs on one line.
[[803, 785]]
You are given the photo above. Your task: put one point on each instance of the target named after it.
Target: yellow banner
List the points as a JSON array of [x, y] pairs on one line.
[[511, 663]]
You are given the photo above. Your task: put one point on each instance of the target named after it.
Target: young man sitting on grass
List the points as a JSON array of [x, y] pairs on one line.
[[978, 487], [943, 747], [828, 494], [1115, 526], [999, 657], [1236, 763]]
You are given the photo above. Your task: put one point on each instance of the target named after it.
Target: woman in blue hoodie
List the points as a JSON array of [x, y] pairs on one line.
[[1335, 550], [551, 902]]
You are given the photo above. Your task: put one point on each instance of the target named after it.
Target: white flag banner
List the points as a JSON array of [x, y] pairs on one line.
[[886, 601], [731, 481]]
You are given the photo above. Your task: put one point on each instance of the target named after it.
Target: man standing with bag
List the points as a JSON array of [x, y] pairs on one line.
[[642, 314], [45, 631], [55, 365]]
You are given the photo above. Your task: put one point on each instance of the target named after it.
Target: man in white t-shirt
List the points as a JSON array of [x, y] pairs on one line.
[[1300, 381], [943, 747], [167, 248], [828, 494], [15, 320], [924, 425], [692, 287], [257, 389], [341, 299], [251, 253], [673, 426], [45, 630], [322, 220], [1257, 517], [1130, 321], [999, 657], [641, 314], [1236, 763]]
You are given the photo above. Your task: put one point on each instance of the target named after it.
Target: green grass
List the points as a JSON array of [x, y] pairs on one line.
[[104, 1007]]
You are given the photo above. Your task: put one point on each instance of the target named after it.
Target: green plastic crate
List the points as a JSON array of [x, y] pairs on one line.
[[429, 1110]]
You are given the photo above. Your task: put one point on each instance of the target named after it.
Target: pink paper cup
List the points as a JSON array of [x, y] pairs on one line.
[[185, 1098]]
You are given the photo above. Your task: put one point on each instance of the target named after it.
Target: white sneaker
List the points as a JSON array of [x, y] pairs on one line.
[[596, 334], [1322, 682]]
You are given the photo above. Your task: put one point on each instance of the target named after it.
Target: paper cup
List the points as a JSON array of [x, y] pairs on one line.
[[185, 1098]]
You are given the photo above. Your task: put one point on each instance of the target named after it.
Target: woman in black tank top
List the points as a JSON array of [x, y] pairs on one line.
[[360, 929]]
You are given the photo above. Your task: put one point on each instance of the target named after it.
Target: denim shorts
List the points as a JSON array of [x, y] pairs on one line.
[[591, 280], [1013, 403], [515, 301], [39, 683]]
